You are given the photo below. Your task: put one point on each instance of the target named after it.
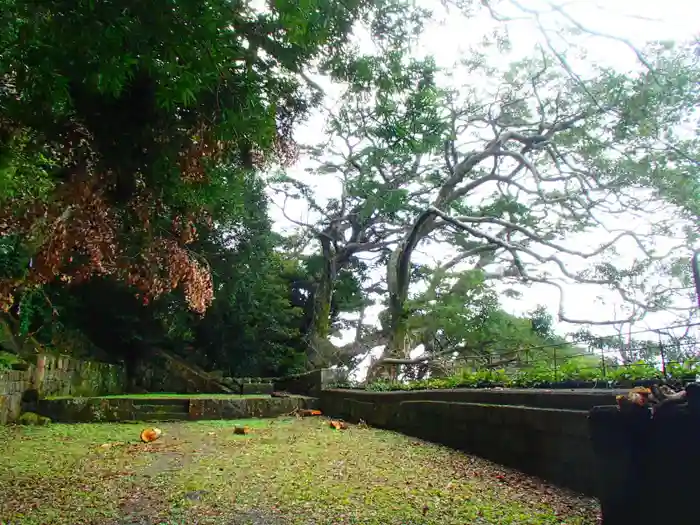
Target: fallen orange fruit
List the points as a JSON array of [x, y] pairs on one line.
[[150, 434]]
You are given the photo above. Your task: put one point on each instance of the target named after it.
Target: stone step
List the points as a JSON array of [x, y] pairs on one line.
[[162, 409], [161, 402], [159, 416]]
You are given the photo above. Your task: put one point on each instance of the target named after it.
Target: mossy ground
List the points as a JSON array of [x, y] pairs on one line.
[[286, 471]]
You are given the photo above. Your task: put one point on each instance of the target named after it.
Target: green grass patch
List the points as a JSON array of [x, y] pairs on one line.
[[286, 471], [166, 395]]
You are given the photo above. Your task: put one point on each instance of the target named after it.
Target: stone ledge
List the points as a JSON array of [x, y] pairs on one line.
[[95, 409], [536, 398]]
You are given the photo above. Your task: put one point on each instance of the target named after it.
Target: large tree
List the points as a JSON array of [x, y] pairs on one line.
[[131, 135], [347, 237], [509, 171]]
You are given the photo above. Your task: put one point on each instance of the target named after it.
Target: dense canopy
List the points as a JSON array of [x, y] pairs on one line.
[[141, 144]]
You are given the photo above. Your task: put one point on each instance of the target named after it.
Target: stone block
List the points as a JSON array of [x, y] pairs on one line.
[[205, 409], [257, 388], [4, 409]]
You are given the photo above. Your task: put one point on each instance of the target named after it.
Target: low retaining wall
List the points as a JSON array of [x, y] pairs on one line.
[[248, 407], [95, 409], [552, 443], [58, 376], [531, 397]]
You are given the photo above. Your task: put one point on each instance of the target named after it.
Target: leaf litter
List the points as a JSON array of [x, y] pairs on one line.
[[284, 472]]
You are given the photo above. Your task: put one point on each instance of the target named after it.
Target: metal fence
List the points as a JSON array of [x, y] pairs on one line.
[[660, 353]]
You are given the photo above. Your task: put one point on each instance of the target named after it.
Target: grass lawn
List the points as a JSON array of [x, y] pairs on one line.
[[286, 471], [166, 395]]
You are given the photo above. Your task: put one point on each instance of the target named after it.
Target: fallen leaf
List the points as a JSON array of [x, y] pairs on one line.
[[307, 412]]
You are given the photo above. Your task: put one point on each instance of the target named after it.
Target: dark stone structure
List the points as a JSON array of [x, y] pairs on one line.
[[648, 467], [166, 372], [531, 397], [220, 408], [309, 384]]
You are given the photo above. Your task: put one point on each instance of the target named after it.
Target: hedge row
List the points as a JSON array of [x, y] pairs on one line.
[[568, 376]]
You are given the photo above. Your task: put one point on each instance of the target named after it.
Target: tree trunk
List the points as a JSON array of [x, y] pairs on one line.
[[24, 346], [398, 281], [323, 295]]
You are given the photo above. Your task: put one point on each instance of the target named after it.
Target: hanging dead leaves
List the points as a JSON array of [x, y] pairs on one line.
[[102, 221], [79, 235]]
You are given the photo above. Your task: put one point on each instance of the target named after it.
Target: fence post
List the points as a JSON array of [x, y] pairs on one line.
[[556, 375], [662, 351], [602, 361]]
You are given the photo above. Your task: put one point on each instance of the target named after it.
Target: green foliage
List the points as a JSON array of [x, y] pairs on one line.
[[634, 372], [120, 105], [688, 368], [32, 419], [8, 360], [541, 321], [546, 376]]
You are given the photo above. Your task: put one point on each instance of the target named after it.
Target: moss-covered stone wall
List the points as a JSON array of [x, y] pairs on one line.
[[65, 376], [57, 375]]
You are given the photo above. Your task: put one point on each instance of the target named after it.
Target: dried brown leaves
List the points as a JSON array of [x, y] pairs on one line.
[[78, 236]]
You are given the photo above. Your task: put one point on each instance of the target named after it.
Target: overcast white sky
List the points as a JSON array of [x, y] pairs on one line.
[[636, 20]]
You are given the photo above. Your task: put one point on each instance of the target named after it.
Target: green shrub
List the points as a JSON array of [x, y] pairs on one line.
[[539, 376], [690, 367], [7, 360], [32, 419], [638, 371], [386, 386], [534, 377], [573, 370]]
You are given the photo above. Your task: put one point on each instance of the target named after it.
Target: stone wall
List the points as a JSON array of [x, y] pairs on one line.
[[13, 383], [309, 384], [221, 408], [57, 376], [95, 409], [530, 397], [552, 442]]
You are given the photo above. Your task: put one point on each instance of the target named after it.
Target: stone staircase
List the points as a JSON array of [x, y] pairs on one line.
[[161, 409]]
